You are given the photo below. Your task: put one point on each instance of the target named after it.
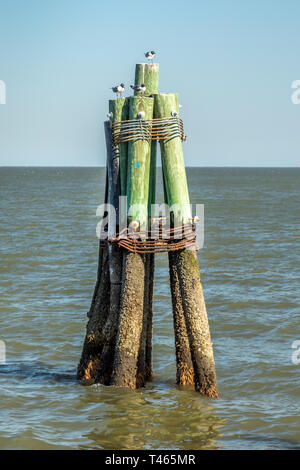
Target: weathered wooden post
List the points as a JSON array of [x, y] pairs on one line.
[[98, 350], [184, 262], [148, 75], [185, 369], [150, 266], [118, 343], [114, 260], [99, 310], [119, 112], [125, 368]]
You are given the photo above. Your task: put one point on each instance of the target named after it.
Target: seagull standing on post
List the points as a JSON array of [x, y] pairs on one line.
[[141, 87], [150, 56], [119, 89]]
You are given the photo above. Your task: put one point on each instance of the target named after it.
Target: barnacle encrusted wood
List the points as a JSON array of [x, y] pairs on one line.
[[118, 343]]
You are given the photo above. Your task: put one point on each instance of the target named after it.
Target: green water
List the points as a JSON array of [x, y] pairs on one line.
[[250, 272]]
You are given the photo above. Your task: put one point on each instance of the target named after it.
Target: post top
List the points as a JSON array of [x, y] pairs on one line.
[[168, 93], [147, 63]]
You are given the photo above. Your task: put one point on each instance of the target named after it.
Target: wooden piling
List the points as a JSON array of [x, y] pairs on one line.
[[183, 263], [100, 251], [172, 161], [138, 170], [118, 342], [115, 262], [197, 323], [119, 110], [93, 343], [148, 75], [184, 363], [129, 337], [124, 372], [150, 266], [97, 315]]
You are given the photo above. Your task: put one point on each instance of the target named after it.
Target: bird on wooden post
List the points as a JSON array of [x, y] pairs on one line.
[[150, 55], [141, 87], [119, 89]]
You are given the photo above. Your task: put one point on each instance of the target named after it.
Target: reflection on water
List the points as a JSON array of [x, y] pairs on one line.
[[250, 272], [154, 419]]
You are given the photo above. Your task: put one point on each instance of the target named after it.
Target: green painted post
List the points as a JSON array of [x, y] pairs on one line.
[[125, 368], [150, 265], [148, 75], [184, 270], [173, 162], [145, 369], [138, 170], [119, 110]]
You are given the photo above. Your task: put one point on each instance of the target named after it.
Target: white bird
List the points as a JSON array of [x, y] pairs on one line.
[[141, 115], [141, 87], [119, 89], [110, 116], [194, 220], [134, 224], [150, 55]]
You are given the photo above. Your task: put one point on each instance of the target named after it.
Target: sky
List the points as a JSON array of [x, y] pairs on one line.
[[231, 62]]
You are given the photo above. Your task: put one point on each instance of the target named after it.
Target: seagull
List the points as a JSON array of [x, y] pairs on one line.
[[119, 89], [134, 225], [150, 55], [141, 87]]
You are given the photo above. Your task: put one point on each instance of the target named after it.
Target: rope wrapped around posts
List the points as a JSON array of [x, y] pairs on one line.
[[157, 240], [152, 129]]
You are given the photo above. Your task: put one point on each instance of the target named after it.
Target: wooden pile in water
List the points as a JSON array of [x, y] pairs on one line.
[[118, 344]]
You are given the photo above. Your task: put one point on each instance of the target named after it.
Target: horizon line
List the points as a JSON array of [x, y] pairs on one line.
[[158, 166]]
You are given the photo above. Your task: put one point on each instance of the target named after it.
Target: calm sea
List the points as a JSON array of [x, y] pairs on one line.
[[250, 266]]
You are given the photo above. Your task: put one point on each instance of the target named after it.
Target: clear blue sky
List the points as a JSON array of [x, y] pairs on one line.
[[232, 63]]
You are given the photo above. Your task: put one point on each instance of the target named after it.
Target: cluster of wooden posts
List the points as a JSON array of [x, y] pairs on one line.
[[118, 344]]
